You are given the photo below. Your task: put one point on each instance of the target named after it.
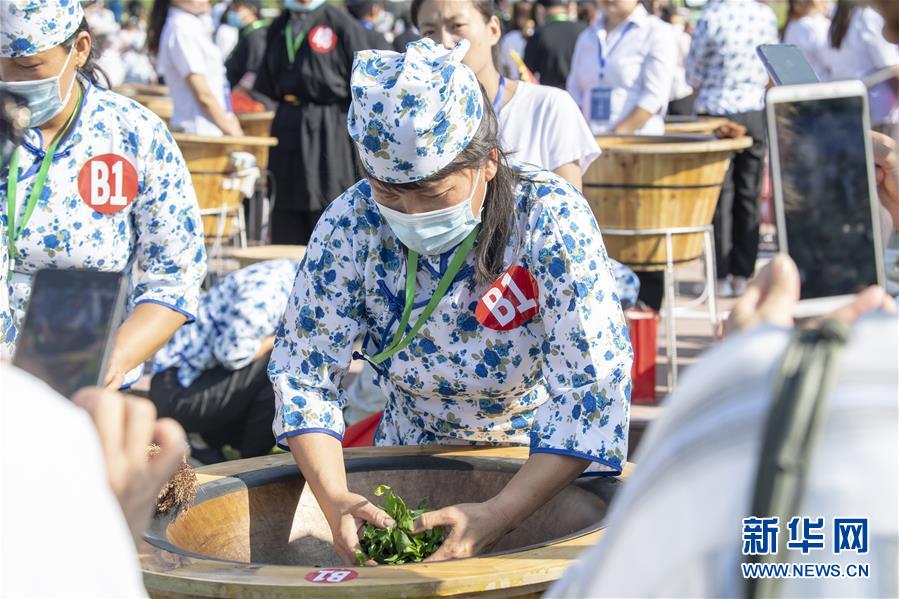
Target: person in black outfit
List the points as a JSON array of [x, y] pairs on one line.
[[244, 61], [307, 66], [409, 34], [549, 50], [366, 12]]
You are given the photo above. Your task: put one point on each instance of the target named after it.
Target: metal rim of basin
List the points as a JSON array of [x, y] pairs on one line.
[[533, 567]]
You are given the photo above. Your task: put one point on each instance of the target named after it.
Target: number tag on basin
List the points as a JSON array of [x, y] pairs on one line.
[[510, 302], [107, 183], [331, 575]]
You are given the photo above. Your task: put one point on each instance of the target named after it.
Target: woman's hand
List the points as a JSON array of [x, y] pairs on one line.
[[887, 174], [773, 294], [126, 426], [470, 529], [115, 374], [346, 516]]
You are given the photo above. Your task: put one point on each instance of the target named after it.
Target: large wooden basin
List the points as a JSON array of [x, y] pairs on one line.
[[255, 530], [647, 182], [702, 125]]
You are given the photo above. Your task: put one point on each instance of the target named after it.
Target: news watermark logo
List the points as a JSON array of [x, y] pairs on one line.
[[761, 537]]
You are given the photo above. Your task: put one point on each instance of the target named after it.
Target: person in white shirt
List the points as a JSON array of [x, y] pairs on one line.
[[857, 42], [623, 69], [537, 124], [808, 29], [192, 66], [87, 517]]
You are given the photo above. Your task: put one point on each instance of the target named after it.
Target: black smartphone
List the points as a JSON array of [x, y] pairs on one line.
[[825, 193], [786, 64], [69, 327]]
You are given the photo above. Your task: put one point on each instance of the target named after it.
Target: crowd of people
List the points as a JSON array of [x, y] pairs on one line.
[[431, 161]]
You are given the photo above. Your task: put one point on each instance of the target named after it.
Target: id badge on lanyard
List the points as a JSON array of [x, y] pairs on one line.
[[601, 103], [601, 95]]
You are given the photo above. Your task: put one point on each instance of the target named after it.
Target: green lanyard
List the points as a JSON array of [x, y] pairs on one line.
[[251, 28], [13, 232], [293, 43], [399, 341], [556, 18]]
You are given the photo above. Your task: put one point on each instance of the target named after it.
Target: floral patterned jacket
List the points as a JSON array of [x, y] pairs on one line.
[[541, 357]]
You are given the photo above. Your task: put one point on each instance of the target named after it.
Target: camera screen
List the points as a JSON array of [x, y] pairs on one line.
[[826, 196], [67, 325]]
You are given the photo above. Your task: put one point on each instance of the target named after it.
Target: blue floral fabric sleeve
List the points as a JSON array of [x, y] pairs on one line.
[[170, 255], [254, 305], [587, 354], [313, 350]]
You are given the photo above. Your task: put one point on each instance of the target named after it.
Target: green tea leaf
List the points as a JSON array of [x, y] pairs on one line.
[[397, 545]]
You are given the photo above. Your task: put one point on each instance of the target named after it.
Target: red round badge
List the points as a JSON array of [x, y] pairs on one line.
[[107, 183], [510, 302], [331, 575], [322, 39]]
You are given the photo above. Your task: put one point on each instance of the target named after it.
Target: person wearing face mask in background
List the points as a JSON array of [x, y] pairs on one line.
[[484, 295], [98, 183], [180, 38], [245, 61], [225, 33], [306, 69]]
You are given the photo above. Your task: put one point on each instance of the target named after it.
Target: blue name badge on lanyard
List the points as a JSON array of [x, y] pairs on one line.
[[601, 103], [601, 95]]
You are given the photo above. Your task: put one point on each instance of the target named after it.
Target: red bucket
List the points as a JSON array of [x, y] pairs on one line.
[[643, 326]]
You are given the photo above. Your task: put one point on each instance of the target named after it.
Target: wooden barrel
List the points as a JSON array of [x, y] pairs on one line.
[[255, 530], [645, 182], [700, 125], [209, 162], [256, 124]]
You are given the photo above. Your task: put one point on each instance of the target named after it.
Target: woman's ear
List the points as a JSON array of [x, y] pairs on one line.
[[494, 30], [82, 49], [492, 164]]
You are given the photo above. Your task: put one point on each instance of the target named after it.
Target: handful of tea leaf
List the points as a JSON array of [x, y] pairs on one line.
[[397, 545]]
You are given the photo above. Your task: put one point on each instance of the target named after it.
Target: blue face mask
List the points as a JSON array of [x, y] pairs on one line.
[[43, 95], [234, 20], [433, 233], [299, 7]]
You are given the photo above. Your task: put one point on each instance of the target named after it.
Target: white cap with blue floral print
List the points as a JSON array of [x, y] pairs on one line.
[[28, 27], [413, 113]]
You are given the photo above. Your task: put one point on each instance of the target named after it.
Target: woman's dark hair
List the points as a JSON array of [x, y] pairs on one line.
[[487, 8], [89, 70], [156, 22], [839, 24], [499, 203]]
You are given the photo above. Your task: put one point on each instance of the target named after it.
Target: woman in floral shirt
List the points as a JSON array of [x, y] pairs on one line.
[[484, 295], [98, 183]]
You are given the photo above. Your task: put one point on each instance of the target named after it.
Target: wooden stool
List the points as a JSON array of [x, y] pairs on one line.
[[654, 198]]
